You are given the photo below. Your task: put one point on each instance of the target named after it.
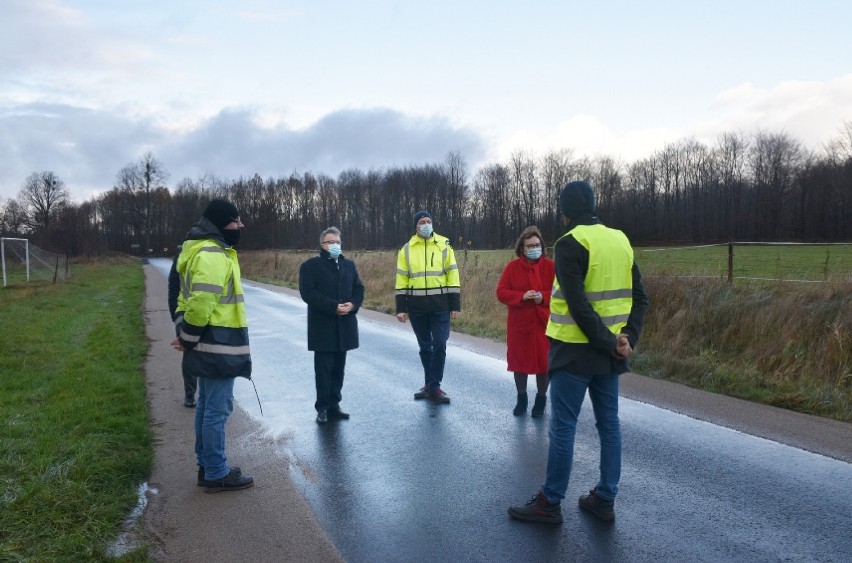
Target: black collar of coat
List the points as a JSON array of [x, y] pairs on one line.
[[324, 254]]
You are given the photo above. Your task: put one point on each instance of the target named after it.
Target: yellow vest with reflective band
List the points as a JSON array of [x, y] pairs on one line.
[[608, 283], [211, 274], [427, 267]]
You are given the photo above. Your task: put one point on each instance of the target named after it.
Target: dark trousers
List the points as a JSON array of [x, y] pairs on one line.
[[432, 331], [328, 373], [190, 385]]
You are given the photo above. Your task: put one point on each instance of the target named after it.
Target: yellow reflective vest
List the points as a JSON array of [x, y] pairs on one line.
[[427, 276], [608, 284], [211, 317]]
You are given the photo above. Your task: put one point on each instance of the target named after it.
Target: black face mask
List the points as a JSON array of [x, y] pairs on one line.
[[231, 236]]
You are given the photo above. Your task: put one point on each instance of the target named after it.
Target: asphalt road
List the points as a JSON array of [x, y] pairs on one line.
[[407, 480]]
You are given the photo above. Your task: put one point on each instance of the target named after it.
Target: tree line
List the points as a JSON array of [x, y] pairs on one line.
[[758, 187]]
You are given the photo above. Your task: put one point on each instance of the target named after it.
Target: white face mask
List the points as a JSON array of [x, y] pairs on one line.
[[533, 253], [425, 230], [334, 250]]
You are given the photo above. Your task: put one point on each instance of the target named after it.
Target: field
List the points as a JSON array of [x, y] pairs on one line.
[[784, 343]]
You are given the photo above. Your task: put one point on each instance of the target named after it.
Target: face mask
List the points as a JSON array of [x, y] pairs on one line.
[[533, 253], [425, 230], [231, 236], [334, 250]]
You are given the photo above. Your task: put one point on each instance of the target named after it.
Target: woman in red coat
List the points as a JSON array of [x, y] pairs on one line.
[[525, 288]]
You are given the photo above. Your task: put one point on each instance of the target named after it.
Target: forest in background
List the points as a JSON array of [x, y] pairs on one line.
[[743, 187]]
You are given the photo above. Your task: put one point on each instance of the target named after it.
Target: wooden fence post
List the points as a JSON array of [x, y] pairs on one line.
[[730, 263]]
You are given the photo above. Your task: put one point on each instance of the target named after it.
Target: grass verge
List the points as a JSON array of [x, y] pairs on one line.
[[74, 437]]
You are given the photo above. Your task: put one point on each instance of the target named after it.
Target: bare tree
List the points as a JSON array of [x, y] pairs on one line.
[[142, 178], [42, 198]]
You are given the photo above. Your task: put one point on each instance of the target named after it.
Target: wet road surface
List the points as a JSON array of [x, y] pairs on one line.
[[407, 480]]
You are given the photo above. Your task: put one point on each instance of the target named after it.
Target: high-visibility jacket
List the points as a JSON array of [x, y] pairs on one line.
[[608, 284], [427, 276], [211, 317]]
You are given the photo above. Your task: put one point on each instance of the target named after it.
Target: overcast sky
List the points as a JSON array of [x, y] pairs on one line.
[[235, 88]]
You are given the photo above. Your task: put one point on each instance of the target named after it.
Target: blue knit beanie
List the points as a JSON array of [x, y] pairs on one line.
[[419, 215]]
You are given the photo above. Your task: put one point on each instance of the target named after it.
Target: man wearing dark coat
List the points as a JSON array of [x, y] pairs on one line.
[[330, 285]]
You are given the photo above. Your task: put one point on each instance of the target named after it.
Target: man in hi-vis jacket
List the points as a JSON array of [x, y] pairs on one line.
[[429, 293], [212, 332]]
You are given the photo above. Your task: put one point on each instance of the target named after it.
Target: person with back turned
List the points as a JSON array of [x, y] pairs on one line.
[[596, 312]]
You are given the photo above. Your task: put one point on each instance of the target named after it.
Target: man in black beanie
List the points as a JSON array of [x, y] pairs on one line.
[[212, 333], [596, 314], [428, 292]]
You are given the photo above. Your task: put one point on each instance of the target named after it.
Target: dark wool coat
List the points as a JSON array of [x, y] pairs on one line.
[[526, 344], [323, 284]]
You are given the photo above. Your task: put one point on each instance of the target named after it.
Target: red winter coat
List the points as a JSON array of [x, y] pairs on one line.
[[526, 343]]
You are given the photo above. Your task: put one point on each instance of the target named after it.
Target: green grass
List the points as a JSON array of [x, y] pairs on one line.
[[808, 263], [74, 437]]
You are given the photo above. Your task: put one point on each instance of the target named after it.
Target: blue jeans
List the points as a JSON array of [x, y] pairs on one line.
[[214, 406], [432, 331], [567, 391]]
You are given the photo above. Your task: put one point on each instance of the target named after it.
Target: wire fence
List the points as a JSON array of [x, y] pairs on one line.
[[756, 261]]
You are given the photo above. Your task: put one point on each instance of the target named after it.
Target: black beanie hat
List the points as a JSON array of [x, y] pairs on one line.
[[221, 213], [577, 198], [419, 215]]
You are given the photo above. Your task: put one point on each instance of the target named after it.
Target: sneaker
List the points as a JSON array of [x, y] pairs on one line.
[[322, 417], [233, 481], [423, 393], [202, 482], [603, 509], [438, 396], [538, 509], [189, 402]]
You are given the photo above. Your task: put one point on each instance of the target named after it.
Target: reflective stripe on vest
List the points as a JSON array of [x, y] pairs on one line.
[[608, 284]]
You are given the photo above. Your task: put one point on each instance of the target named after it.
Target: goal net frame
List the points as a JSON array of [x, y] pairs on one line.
[[3, 255]]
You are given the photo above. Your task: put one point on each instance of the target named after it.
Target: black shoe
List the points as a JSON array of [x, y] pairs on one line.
[[322, 417], [521, 406], [538, 509], [189, 402], [538, 407], [603, 509], [422, 393], [337, 414], [202, 482], [438, 396], [233, 481]]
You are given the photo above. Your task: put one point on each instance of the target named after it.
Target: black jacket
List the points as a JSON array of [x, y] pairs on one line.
[[174, 288], [594, 358], [323, 284]]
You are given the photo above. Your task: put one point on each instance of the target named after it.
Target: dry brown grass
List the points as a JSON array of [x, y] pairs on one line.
[[778, 343]]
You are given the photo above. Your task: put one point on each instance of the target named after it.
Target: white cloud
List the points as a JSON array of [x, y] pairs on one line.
[[809, 111]]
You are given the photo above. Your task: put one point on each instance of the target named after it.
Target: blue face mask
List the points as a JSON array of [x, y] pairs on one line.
[[334, 250], [425, 230], [533, 253]]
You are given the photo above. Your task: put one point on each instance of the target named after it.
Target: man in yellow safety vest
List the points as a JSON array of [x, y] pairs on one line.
[[596, 313]]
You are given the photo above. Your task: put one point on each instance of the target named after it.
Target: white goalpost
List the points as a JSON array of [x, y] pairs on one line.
[[26, 245], [21, 261]]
